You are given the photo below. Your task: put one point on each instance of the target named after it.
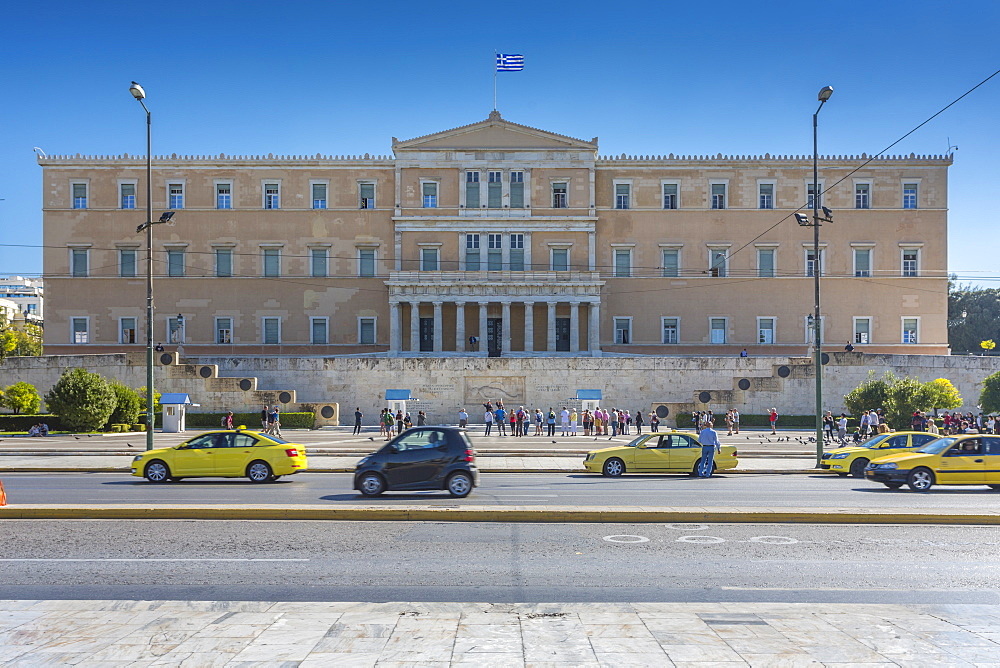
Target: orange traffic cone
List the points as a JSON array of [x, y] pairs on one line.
[[3, 496]]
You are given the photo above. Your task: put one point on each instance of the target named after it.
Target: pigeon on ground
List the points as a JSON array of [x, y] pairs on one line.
[[553, 441], [595, 438], [371, 438], [77, 437], [130, 445], [767, 439]]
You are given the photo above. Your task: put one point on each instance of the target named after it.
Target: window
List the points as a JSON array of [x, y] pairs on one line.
[[669, 195], [80, 330], [909, 195], [559, 196], [517, 252], [127, 260], [366, 331], [223, 195], [472, 190], [318, 329], [428, 259], [765, 330], [560, 259], [765, 262], [810, 187], [272, 196], [319, 196], [862, 330], [272, 330], [223, 262], [718, 262], [862, 194], [623, 262], [472, 252], [174, 333], [494, 190], [671, 262], [862, 262], [811, 262], [79, 195], [79, 262], [910, 262], [272, 261], [718, 330], [910, 326], [175, 195], [430, 193], [366, 262], [126, 327], [175, 262], [366, 194], [765, 195], [126, 195], [494, 252], [623, 330], [718, 195], [623, 193], [671, 330], [224, 330], [517, 190], [318, 262]]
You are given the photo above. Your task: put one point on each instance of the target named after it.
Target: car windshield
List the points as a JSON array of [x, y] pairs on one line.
[[937, 446], [874, 441], [634, 443], [277, 440]]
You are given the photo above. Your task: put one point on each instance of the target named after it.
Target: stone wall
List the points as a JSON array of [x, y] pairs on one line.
[[443, 385]]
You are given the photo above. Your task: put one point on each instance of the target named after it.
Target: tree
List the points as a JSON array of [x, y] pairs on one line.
[[22, 398], [84, 401], [973, 317], [869, 395], [899, 398], [943, 395], [21, 341], [127, 406], [989, 400]]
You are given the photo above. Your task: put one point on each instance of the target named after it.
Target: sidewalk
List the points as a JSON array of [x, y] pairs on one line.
[[180, 633]]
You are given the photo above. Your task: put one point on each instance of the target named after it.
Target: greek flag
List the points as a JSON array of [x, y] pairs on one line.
[[510, 62]]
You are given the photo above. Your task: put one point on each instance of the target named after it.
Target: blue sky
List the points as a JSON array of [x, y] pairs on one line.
[[343, 78]]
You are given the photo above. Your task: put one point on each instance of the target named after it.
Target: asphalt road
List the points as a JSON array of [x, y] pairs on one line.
[[404, 561], [558, 489]]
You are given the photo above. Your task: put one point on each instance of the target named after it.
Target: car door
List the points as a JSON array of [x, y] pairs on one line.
[[232, 453], [652, 454], [991, 455], [684, 452], [194, 458], [962, 463], [406, 460]]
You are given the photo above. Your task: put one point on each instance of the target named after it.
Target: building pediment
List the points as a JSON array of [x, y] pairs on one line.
[[493, 133]]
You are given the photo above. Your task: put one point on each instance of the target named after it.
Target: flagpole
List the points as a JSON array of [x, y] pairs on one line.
[[494, 80]]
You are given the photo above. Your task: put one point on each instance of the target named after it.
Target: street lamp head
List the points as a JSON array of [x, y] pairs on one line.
[[137, 91], [824, 93], [802, 219], [166, 216]]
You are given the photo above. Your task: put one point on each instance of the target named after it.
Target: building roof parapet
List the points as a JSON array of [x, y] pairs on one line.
[[626, 158], [270, 158]]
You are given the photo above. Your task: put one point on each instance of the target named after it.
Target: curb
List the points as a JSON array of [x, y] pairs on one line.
[[517, 514], [127, 470]]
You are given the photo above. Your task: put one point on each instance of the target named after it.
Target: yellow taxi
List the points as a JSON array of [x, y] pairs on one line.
[[227, 453], [667, 452], [968, 459], [854, 459]]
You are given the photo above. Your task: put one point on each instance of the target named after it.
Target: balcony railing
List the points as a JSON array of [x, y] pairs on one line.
[[494, 213], [494, 277]]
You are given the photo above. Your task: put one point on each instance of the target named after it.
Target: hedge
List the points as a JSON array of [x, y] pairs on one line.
[[251, 420], [9, 422], [761, 420]]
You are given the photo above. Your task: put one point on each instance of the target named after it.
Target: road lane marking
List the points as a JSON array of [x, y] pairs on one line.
[[144, 560], [687, 527], [626, 538], [774, 540], [701, 539]]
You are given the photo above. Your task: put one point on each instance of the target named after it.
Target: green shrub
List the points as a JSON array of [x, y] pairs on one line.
[[83, 400], [684, 421], [250, 420], [128, 406], [989, 400], [22, 398], [26, 422]]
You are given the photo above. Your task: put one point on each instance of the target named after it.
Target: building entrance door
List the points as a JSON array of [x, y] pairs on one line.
[[426, 335], [494, 332], [562, 334]]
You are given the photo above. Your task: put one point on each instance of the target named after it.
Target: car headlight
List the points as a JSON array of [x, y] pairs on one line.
[[887, 466], [364, 460], [590, 455], [137, 458]]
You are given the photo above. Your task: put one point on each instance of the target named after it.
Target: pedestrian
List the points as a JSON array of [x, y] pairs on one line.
[[598, 421], [932, 427], [539, 418], [736, 421], [389, 420], [729, 421], [614, 421], [399, 421], [564, 421], [264, 413], [573, 417], [501, 416], [421, 418], [463, 418], [407, 422], [654, 423], [587, 421], [274, 421], [357, 419], [550, 420], [842, 428], [849, 347], [772, 417], [638, 422], [709, 447], [628, 421], [227, 421], [488, 419], [828, 424], [744, 353], [514, 422], [526, 422]]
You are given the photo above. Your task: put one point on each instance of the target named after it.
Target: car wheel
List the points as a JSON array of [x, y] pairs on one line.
[[460, 484], [275, 477], [157, 471], [920, 480], [371, 484], [259, 471], [858, 467], [893, 485], [613, 468]]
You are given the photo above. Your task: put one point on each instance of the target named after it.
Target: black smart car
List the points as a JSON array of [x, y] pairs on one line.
[[418, 459]]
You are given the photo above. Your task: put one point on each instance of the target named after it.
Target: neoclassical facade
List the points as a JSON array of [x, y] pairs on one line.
[[495, 238]]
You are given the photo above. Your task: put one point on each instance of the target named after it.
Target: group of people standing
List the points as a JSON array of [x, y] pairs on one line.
[[391, 424], [270, 420], [970, 424]]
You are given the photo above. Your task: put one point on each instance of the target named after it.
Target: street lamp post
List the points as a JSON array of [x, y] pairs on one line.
[[824, 95]]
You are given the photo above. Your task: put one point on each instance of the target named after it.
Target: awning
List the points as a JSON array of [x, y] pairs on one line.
[[176, 398], [397, 395], [589, 395]]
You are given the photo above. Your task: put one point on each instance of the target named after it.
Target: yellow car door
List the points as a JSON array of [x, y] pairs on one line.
[[194, 458], [991, 453], [652, 455], [227, 458], [684, 452], [962, 463]]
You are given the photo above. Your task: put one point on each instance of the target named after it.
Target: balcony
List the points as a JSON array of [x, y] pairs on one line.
[[493, 277], [494, 213]]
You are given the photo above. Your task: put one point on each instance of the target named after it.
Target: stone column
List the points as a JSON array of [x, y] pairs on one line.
[[592, 251], [395, 340], [484, 350], [529, 327], [574, 327], [594, 330], [438, 321], [398, 249], [459, 327], [414, 327], [505, 326], [551, 345]]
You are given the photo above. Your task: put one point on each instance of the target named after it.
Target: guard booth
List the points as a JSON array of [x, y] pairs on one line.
[[589, 399], [174, 405], [396, 401]]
